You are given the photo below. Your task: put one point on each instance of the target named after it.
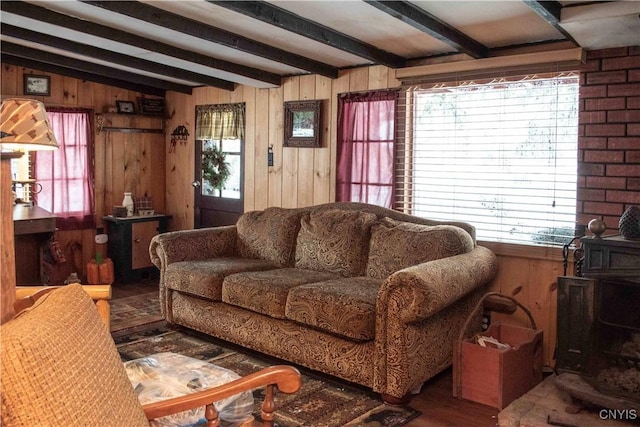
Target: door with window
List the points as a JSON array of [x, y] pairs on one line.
[[219, 160]]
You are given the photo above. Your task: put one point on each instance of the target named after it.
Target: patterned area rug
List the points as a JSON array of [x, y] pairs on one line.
[[321, 402], [135, 311]]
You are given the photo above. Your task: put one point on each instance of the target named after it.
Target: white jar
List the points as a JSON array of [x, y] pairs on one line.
[[127, 202]]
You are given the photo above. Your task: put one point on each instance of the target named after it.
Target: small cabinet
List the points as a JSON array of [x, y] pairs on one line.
[[128, 245]]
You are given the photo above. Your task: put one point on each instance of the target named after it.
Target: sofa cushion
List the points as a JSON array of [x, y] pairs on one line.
[[60, 367], [269, 235], [266, 291], [204, 277], [344, 306], [336, 241], [395, 245]]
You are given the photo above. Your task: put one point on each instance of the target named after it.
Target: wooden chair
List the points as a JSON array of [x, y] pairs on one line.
[[26, 296], [60, 367]]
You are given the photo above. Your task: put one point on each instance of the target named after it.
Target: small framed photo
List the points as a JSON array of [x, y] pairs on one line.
[[125, 107], [151, 106], [37, 85], [302, 123]]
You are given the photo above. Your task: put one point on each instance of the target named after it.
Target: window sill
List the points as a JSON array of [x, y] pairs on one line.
[[525, 251]]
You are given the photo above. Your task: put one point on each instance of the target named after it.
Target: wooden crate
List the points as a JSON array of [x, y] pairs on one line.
[[497, 377]]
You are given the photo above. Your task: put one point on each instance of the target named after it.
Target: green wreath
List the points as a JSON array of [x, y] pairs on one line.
[[215, 169]]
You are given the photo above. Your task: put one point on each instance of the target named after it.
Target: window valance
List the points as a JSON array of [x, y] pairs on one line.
[[220, 121]]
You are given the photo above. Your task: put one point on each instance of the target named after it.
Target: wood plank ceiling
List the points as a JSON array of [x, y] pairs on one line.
[[155, 46]]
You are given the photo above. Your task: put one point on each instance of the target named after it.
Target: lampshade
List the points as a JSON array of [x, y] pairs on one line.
[[25, 126]]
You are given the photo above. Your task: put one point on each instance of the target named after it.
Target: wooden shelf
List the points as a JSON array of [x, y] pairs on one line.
[[100, 123], [148, 116], [130, 130]]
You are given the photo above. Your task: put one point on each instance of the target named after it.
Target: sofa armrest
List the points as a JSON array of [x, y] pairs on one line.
[[189, 245], [422, 290]]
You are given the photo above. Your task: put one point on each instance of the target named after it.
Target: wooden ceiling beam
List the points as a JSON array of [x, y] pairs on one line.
[[42, 14], [289, 21], [551, 12], [113, 57], [172, 21], [70, 72], [429, 24], [88, 67]]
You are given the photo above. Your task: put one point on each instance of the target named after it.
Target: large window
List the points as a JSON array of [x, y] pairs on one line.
[[501, 155]]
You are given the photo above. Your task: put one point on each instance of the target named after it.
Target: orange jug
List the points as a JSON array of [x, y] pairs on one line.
[[93, 273], [100, 274], [105, 270]]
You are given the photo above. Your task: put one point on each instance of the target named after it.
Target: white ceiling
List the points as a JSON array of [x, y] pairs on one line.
[[62, 36]]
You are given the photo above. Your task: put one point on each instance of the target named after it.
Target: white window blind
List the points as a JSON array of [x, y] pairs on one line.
[[501, 155]]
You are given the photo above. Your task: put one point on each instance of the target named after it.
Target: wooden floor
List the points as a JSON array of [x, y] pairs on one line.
[[439, 408]]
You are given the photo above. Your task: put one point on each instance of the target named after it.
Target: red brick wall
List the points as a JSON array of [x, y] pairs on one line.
[[609, 135]]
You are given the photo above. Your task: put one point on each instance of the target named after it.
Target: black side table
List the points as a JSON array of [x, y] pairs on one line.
[[128, 245]]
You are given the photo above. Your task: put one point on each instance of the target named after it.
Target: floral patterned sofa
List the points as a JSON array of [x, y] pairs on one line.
[[356, 291]]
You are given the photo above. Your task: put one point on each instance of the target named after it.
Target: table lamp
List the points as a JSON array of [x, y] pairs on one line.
[[24, 126]]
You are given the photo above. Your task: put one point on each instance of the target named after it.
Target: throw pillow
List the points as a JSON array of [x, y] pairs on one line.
[[269, 235], [60, 366], [335, 241]]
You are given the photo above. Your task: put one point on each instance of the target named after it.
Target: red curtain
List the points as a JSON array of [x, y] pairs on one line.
[[366, 141], [66, 174]]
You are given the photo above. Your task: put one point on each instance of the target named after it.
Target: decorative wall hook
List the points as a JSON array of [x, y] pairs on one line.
[[179, 134]]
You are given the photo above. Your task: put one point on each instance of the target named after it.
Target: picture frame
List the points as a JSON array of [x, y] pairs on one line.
[[37, 85], [302, 123], [151, 106], [126, 107]]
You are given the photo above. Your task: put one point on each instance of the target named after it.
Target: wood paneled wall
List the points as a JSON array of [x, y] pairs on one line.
[[130, 162], [123, 161], [530, 275]]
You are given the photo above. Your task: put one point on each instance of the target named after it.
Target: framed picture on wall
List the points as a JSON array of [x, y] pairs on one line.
[[302, 123], [126, 107], [37, 85]]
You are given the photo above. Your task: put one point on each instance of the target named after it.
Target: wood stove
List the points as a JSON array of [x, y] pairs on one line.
[[598, 352]]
